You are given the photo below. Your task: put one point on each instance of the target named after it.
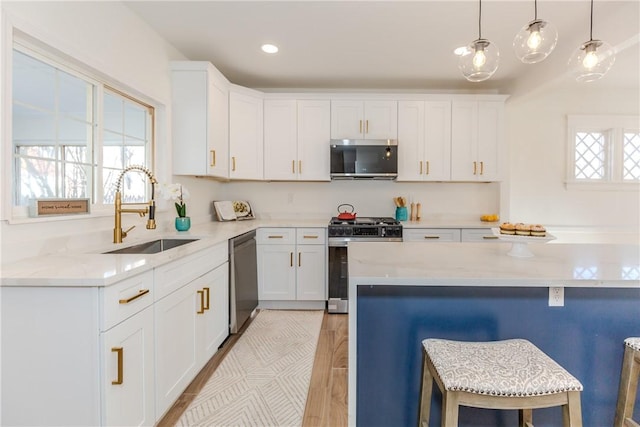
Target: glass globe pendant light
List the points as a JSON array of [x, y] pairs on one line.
[[592, 59], [480, 59], [536, 40]]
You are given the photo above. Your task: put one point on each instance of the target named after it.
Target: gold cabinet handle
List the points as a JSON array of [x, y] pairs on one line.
[[291, 259], [233, 164], [475, 167], [140, 293], [360, 128], [308, 236], [120, 352], [201, 310], [206, 291], [427, 162], [299, 259], [420, 167], [481, 168], [490, 237], [276, 237], [367, 127], [431, 237], [293, 166], [213, 158], [299, 166]]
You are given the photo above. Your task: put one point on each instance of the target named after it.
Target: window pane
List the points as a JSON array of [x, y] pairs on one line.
[[590, 155], [73, 132], [31, 125], [76, 180], [112, 157], [109, 177], [631, 156], [37, 179], [135, 120], [74, 154], [41, 151], [133, 190], [134, 156], [113, 114], [75, 96], [33, 82]]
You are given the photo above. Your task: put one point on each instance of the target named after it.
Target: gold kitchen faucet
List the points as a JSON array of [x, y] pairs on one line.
[[118, 233]]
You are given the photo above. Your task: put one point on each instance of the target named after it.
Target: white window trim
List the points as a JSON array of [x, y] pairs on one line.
[[605, 124], [12, 35]]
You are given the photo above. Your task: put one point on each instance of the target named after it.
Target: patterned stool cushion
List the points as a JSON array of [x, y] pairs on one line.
[[499, 368], [633, 342]]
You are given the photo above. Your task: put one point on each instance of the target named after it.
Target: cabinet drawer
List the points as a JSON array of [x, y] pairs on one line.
[[126, 298], [311, 236], [478, 235], [276, 236], [431, 235], [172, 276]]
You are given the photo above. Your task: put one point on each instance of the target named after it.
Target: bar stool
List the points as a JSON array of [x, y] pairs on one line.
[[509, 374], [628, 384]]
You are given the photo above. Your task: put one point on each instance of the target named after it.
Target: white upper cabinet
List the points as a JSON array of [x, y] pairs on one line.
[[245, 134], [296, 140], [364, 119], [424, 140], [200, 125], [477, 150]]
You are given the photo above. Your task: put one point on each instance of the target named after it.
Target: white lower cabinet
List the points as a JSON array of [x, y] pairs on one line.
[[292, 264], [431, 235], [478, 235], [128, 379]]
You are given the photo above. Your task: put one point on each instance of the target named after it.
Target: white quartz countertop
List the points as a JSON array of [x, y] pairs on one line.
[[93, 268], [487, 264]]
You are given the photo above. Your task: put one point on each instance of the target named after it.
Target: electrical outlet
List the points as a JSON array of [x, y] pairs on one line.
[[556, 296]]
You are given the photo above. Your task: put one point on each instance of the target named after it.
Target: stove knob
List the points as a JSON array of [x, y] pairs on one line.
[[348, 232]]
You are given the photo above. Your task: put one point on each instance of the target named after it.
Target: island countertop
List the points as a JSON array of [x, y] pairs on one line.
[[487, 264]]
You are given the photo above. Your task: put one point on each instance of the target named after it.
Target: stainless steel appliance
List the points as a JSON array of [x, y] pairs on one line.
[[243, 279], [341, 232], [364, 158]]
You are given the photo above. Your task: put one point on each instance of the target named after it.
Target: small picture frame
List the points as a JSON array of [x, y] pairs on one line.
[[54, 207]]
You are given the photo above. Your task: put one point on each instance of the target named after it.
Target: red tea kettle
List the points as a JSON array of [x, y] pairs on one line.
[[346, 215]]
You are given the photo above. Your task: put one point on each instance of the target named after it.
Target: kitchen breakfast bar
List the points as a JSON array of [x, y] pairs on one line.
[[402, 293]]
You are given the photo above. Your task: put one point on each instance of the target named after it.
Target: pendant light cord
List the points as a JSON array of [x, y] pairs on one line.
[[480, 21], [591, 23], [535, 10]]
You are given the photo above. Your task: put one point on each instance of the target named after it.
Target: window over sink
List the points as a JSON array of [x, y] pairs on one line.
[[73, 132]]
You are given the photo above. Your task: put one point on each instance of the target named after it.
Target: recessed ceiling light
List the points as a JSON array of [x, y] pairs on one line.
[[269, 48]]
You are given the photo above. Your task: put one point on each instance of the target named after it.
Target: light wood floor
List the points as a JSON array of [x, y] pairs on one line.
[[327, 398]]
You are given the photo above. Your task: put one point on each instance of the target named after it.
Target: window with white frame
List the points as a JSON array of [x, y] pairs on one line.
[[72, 135], [603, 150]]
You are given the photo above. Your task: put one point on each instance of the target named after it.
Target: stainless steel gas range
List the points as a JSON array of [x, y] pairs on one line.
[[341, 232]]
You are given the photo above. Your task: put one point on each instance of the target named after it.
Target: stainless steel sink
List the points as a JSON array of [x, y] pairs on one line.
[[153, 247]]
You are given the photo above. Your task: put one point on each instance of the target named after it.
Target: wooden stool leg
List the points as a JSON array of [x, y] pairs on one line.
[[572, 411], [450, 408], [628, 387], [525, 417], [425, 400]]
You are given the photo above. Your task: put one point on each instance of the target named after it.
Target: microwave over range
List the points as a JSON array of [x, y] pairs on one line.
[[364, 158]]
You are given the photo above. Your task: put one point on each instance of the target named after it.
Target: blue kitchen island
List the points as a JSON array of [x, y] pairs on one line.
[[406, 292]]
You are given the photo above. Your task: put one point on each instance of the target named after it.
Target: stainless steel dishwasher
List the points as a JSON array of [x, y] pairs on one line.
[[243, 279]]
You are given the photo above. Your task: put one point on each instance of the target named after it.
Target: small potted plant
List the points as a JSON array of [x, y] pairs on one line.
[[178, 193]]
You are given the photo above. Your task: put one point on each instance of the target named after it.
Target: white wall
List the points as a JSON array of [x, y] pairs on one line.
[[109, 38], [537, 138]]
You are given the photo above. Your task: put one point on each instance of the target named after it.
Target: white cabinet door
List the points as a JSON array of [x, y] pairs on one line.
[[478, 235], [437, 158], [364, 119], [276, 272], [245, 136], [213, 324], [200, 119], [476, 140], [128, 381], [314, 134], [380, 120], [411, 140], [176, 345], [311, 272], [280, 140], [431, 235], [347, 119]]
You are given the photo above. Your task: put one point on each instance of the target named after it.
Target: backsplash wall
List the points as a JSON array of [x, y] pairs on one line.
[[369, 198]]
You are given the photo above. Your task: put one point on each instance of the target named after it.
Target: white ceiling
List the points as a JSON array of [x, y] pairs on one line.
[[388, 45]]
